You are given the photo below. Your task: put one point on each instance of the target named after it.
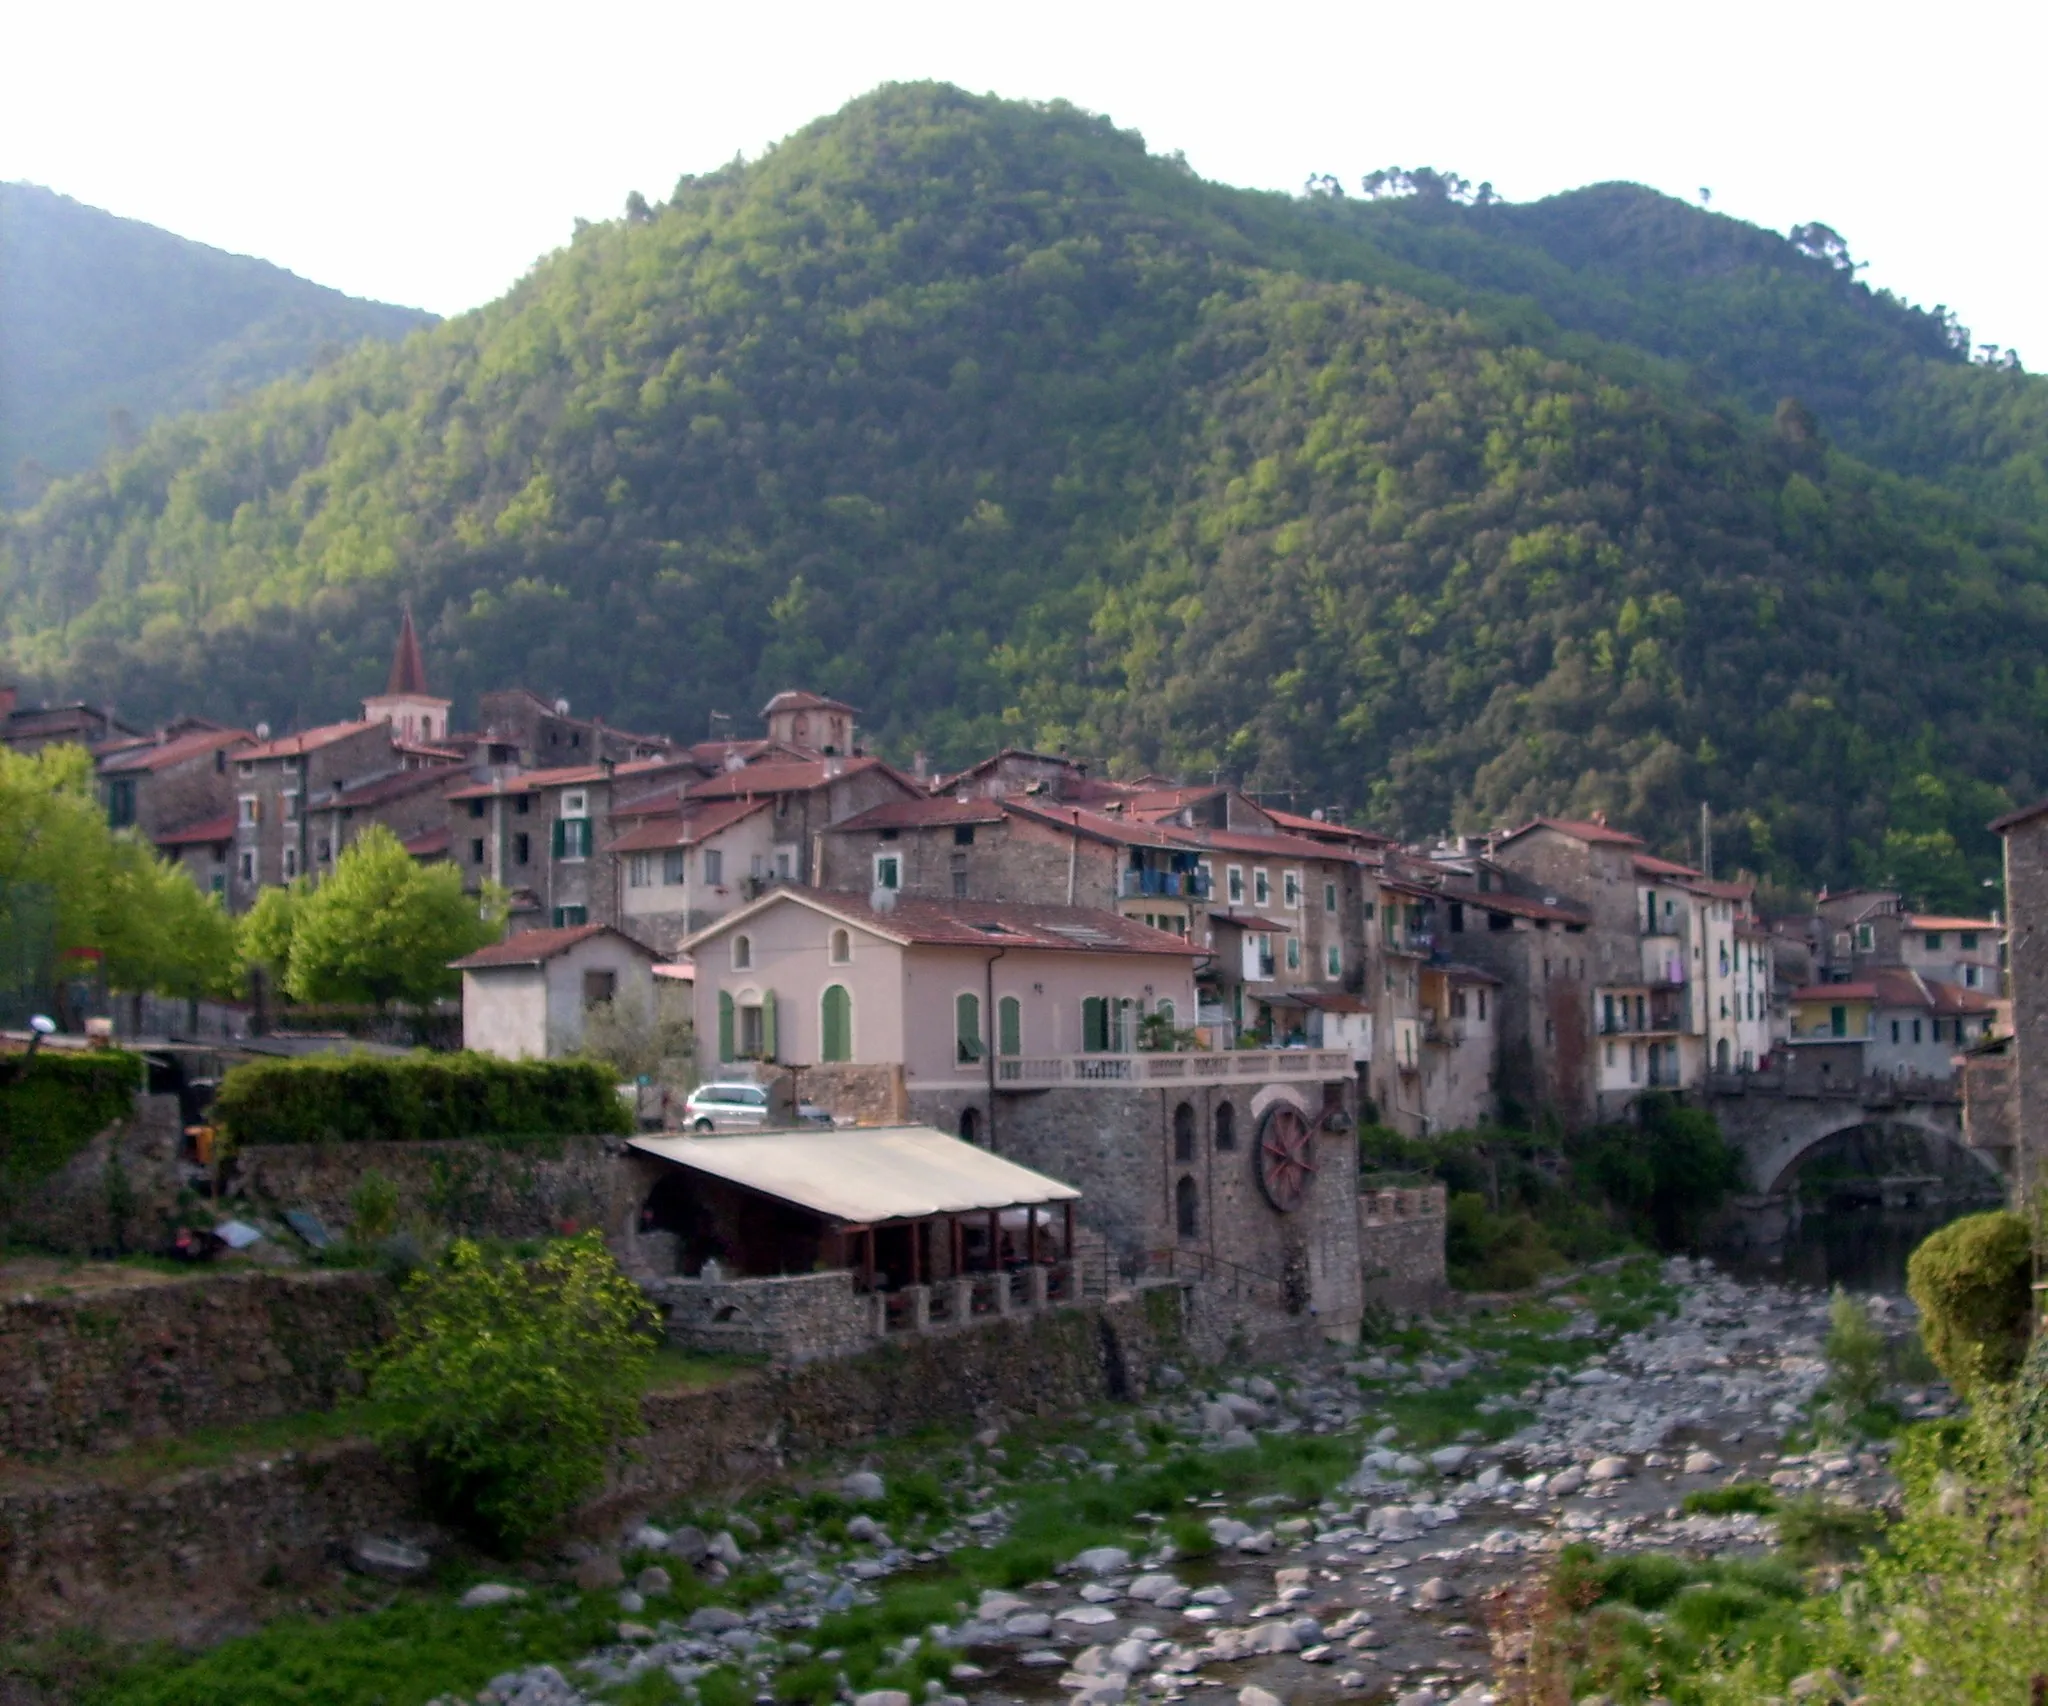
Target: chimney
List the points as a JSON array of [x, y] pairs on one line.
[[920, 766]]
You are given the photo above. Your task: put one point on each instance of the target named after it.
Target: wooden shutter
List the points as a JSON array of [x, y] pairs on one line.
[[837, 1043], [768, 1025], [1094, 1025], [725, 1024], [1010, 1025], [561, 837], [967, 1026]]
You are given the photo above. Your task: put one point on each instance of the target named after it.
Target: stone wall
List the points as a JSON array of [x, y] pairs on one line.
[[479, 1186], [864, 1095], [100, 1372], [118, 1193], [794, 1318], [1401, 1246], [186, 1554]]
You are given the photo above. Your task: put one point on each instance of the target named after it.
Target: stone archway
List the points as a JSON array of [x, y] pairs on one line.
[[1872, 1146]]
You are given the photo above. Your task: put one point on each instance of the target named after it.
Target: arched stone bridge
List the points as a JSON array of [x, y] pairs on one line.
[[1776, 1125]]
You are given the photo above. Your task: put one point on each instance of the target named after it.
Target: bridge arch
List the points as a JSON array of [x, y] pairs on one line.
[[1777, 1135]]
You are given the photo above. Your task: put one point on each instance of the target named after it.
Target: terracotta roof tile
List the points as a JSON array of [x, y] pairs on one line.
[[152, 755], [533, 947], [1015, 925]]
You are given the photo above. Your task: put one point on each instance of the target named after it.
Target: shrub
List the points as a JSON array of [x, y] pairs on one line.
[[1855, 1353], [1667, 1174], [52, 1105], [366, 1099], [1972, 1282], [509, 1382], [372, 1209]]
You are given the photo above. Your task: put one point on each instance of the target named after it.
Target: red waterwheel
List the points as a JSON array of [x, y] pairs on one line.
[[1286, 1156]]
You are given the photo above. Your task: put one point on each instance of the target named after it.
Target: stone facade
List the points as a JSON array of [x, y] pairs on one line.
[[117, 1194], [2026, 898], [103, 1371], [789, 1318], [1401, 1247]]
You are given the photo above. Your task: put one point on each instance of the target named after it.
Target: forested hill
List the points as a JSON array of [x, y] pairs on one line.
[[107, 323], [979, 416]]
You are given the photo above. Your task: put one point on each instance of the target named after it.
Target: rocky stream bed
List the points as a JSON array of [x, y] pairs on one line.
[[1583, 1423]]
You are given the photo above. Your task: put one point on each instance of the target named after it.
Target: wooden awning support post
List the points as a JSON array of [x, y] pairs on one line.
[[1031, 1236], [995, 1241], [1069, 1251]]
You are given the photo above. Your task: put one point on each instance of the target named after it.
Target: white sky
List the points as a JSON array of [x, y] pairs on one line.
[[427, 152]]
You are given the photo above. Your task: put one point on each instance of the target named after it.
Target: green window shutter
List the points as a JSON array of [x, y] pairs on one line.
[[768, 1025], [725, 1022], [1010, 1025], [561, 837], [1094, 1025], [838, 1024], [967, 1026]]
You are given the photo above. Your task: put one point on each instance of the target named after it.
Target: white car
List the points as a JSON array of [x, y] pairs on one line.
[[730, 1107]]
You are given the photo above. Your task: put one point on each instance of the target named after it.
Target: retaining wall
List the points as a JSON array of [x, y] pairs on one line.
[[1401, 1246]]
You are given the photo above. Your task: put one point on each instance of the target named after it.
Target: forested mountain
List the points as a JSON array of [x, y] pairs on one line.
[[107, 323], [978, 415]]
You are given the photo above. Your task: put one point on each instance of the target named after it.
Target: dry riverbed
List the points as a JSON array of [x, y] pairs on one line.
[[1338, 1529]]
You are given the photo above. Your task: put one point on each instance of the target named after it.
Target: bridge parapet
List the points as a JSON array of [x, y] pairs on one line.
[[1874, 1090]]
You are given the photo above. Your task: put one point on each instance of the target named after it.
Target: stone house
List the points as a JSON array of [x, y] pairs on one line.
[[2025, 833], [30, 728], [535, 733], [806, 798], [1020, 1027], [1904, 1026], [527, 997], [177, 789], [1460, 1047], [276, 785], [682, 869], [412, 804], [1966, 952], [810, 722]]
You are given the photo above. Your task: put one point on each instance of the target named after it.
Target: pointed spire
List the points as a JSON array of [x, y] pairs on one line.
[[408, 668]]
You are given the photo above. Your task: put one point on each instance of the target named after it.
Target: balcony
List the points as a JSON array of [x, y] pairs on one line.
[[1168, 885], [1211, 1066]]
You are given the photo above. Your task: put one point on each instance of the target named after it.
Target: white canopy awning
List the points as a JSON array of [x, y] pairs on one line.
[[864, 1175]]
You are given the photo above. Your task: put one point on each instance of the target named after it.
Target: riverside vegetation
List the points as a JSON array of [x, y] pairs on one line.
[[982, 417]]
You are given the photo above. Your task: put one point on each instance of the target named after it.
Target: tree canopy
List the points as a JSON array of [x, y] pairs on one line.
[[981, 417]]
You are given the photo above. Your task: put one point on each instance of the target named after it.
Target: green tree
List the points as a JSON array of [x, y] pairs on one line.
[[266, 932], [102, 890], [510, 1381], [383, 927]]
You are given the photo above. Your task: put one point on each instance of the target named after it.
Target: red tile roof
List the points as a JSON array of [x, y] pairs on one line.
[[1579, 829], [431, 843], [154, 755], [1895, 986], [686, 829], [1925, 921], [312, 740], [919, 813], [1314, 827], [397, 786], [220, 828], [785, 777], [796, 699], [569, 776], [1014, 925], [1254, 845], [1097, 826], [533, 947], [1650, 865]]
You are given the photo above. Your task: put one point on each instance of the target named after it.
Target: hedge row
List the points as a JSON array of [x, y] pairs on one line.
[[53, 1104], [371, 1099]]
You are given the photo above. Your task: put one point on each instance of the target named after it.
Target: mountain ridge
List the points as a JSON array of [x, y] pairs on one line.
[[978, 415]]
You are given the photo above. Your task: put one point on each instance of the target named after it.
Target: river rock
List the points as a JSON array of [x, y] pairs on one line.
[[1228, 1531], [490, 1593], [1238, 1439], [1086, 1616], [1609, 1469], [1151, 1585], [1262, 1389], [1408, 1464], [724, 1550], [1103, 1560], [388, 1560], [653, 1581], [864, 1487], [1436, 1591], [1566, 1482], [1031, 1625], [1253, 1695], [714, 1620], [882, 1697], [687, 1543], [1701, 1463], [1449, 1459], [996, 1606]]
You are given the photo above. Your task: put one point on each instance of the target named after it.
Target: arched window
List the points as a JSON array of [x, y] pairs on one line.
[[1721, 1054], [1183, 1133], [841, 953], [835, 1024], [1187, 1207], [1226, 1126], [967, 1046], [1166, 1013], [970, 1125], [1010, 1026], [742, 952]]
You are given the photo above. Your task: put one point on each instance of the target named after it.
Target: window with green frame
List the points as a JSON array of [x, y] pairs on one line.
[[835, 1024], [968, 1046], [1010, 1027]]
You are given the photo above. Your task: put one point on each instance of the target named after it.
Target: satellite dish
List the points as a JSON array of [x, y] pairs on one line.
[[561, 707], [262, 731], [43, 1025]]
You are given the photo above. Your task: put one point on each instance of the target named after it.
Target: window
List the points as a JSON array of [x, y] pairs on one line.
[[1635, 1062], [1895, 1030], [1610, 1054], [248, 810], [1094, 1025], [970, 1127], [599, 987], [888, 871], [1457, 1004], [675, 866], [1838, 1021], [1294, 953], [1234, 877], [219, 885], [476, 850], [522, 849], [1482, 1004], [247, 866], [291, 863], [572, 838], [1934, 941], [1010, 1026], [288, 805], [1208, 875], [1183, 1132], [714, 867], [963, 835], [967, 1044], [1967, 941], [1187, 1208], [1262, 887], [1970, 975], [323, 850], [121, 802], [1333, 962], [1290, 889], [835, 1024], [839, 948], [1916, 1030], [757, 1028], [1226, 1126], [1866, 938], [476, 808], [742, 952], [522, 805], [1165, 1010], [638, 871], [757, 866], [1329, 897], [959, 876], [567, 917], [1370, 911]]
